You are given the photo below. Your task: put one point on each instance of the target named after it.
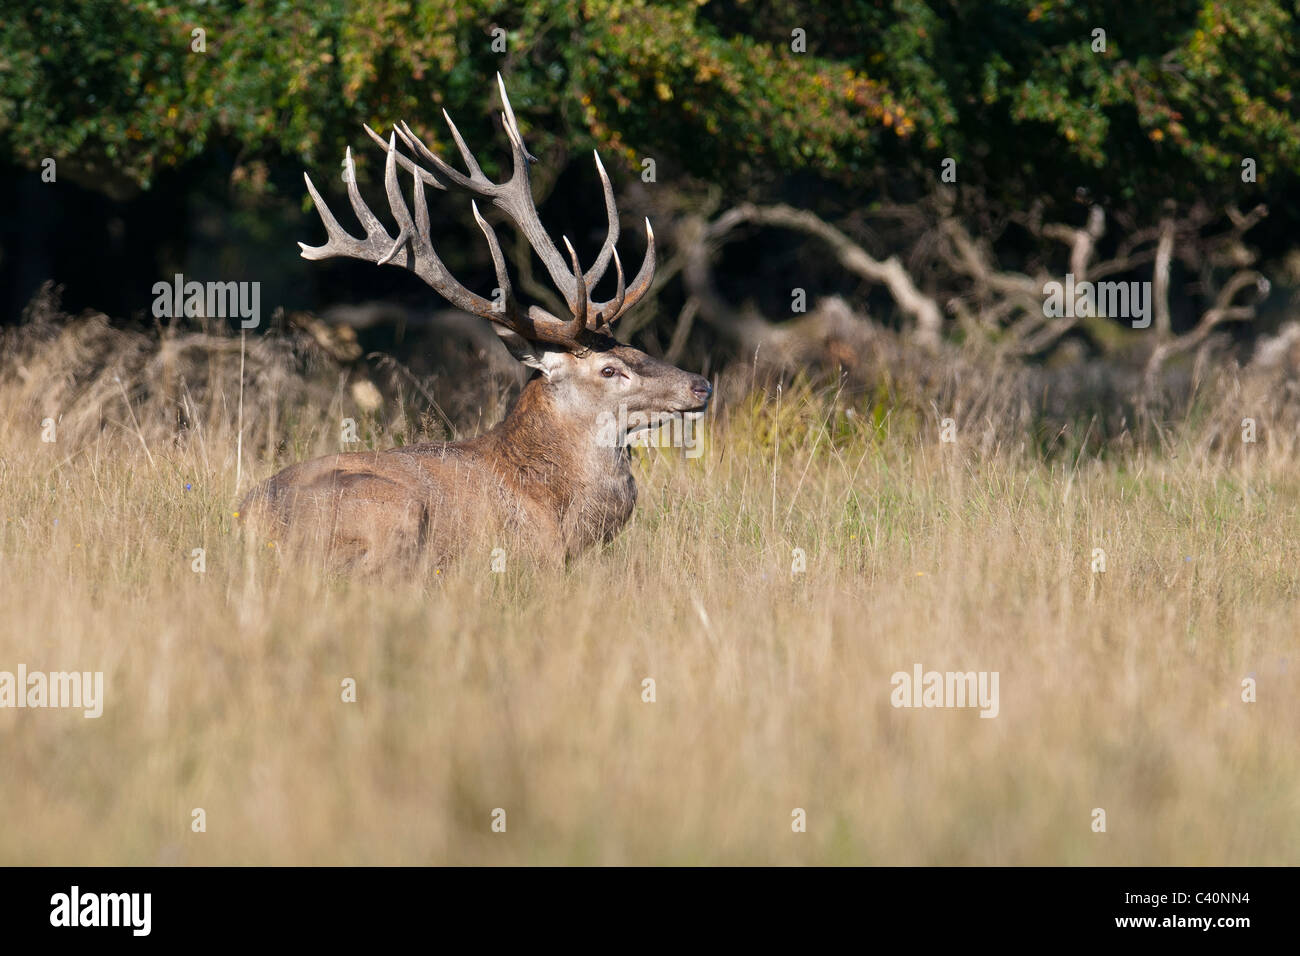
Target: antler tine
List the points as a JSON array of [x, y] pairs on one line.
[[614, 309], [508, 307], [475, 183], [333, 230], [368, 220], [406, 164], [605, 320], [516, 200], [512, 125], [422, 238], [597, 270], [470, 162], [396, 203], [580, 299]]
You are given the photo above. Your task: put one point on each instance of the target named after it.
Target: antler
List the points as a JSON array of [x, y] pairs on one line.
[[412, 248]]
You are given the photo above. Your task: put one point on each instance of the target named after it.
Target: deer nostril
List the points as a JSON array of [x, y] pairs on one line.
[[701, 387]]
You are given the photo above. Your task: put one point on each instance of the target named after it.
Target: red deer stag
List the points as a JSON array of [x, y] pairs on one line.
[[551, 473]]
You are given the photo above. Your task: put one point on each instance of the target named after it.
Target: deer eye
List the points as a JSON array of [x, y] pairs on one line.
[[609, 371]]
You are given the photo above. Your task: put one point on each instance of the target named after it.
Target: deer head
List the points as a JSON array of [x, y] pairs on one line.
[[586, 373]]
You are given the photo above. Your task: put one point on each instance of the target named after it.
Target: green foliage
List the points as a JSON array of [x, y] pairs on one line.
[[1012, 89]]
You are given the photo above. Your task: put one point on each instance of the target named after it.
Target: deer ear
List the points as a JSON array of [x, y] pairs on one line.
[[523, 350]]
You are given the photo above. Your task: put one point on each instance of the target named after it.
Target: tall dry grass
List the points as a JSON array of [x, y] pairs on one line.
[[523, 690]]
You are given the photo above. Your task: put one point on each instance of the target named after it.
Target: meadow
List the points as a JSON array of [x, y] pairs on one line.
[[1120, 689]]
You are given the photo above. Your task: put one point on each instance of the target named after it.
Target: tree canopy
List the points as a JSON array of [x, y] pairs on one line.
[[1025, 95]]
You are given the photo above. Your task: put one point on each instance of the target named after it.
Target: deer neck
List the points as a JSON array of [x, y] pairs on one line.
[[559, 458]]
